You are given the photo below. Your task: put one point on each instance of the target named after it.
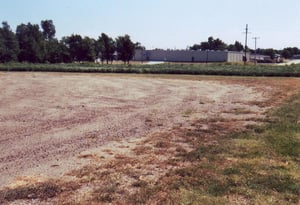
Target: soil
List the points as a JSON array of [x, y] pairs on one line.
[[54, 123]]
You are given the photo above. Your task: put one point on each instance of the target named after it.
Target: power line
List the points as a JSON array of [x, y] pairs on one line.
[[255, 39], [246, 39]]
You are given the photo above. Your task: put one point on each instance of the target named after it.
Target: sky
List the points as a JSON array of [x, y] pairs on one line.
[[167, 24]]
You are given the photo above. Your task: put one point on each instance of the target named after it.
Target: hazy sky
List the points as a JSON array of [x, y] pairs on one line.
[[165, 23]]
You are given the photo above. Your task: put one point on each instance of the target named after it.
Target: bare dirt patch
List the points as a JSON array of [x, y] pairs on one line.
[[120, 130]]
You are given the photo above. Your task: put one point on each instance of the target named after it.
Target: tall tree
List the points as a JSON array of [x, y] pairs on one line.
[[125, 48], [237, 46], [52, 52], [269, 52], [195, 47], [205, 46], [56, 52], [290, 52], [106, 47], [48, 29], [74, 45], [286, 53], [138, 45], [88, 49], [216, 44], [64, 52], [99, 50], [210, 44], [30, 42], [9, 47], [80, 49]]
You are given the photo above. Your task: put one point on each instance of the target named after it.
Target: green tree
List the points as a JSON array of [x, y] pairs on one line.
[[74, 45], [9, 47], [54, 51], [269, 52], [125, 48], [48, 29], [195, 47], [106, 48], [138, 45], [80, 49], [237, 46], [216, 44], [286, 53], [31, 44], [290, 52], [210, 44], [99, 50], [88, 49], [205, 46], [64, 53]]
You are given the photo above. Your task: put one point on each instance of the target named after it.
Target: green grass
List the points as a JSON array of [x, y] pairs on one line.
[[258, 166], [166, 68], [282, 135]]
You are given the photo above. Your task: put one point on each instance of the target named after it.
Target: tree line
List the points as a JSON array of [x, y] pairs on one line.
[[37, 44], [218, 44]]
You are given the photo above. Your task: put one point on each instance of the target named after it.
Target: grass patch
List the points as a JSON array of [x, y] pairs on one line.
[[37, 191], [143, 195], [228, 69], [106, 193], [41, 191], [271, 182], [194, 197], [256, 166], [188, 112], [211, 152]]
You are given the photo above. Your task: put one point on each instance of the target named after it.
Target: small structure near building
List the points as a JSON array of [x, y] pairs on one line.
[[188, 56]]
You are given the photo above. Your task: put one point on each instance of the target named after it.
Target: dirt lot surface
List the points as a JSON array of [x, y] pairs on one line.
[[54, 124]]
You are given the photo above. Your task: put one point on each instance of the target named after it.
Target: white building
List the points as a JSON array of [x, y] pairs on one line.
[[188, 56]]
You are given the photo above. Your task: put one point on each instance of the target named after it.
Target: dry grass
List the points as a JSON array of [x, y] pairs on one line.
[[211, 162], [40, 190]]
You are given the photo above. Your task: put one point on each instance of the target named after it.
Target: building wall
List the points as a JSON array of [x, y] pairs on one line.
[[188, 56]]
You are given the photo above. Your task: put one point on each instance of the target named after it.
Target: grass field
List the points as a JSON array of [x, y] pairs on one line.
[[257, 166], [166, 68], [181, 139]]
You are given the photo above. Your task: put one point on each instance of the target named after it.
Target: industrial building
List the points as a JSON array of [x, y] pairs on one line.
[[188, 56]]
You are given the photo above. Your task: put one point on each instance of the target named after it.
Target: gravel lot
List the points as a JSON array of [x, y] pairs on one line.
[[48, 119]]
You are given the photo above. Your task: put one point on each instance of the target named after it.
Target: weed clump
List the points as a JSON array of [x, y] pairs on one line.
[[38, 191]]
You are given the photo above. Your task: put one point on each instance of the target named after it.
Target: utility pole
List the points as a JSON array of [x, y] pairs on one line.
[[245, 57], [255, 39]]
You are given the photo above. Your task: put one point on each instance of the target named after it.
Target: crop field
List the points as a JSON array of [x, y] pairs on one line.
[[91, 138]]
